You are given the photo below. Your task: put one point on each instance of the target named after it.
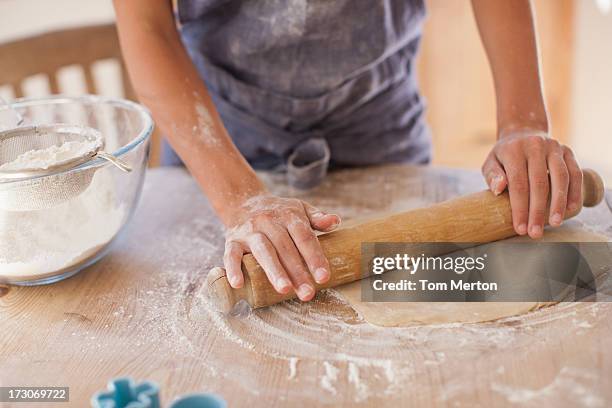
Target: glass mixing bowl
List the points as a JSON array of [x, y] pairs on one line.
[[51, 244]]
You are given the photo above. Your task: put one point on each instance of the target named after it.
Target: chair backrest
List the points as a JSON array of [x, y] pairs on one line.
[[48, 53]]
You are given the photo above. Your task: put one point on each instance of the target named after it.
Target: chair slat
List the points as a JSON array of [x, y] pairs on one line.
[[90, 83], [17, 90], [53, 84], [48, 53]]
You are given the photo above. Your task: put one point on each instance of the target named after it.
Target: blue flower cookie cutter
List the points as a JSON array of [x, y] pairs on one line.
[[125, 393]]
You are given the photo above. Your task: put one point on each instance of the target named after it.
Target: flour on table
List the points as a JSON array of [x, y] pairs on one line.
[[293, 362], [569, 383], [330, 377], [361, 388]]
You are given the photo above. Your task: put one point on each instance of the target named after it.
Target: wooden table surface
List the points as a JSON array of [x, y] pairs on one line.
[[143, 311]]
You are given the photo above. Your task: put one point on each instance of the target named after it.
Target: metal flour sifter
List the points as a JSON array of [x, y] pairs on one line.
[[34, 188]]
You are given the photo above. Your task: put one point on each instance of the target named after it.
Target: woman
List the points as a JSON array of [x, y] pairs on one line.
[[245, 83]]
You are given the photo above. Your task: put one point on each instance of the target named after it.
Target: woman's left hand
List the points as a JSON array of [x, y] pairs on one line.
[[532, 165]]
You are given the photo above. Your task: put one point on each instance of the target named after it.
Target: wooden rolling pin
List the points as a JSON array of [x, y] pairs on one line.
[[479, 217]]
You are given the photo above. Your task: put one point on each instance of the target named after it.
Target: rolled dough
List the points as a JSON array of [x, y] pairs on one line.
[[396, 314]]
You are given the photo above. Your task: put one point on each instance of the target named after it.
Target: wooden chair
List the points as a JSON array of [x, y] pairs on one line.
[[49, 52]]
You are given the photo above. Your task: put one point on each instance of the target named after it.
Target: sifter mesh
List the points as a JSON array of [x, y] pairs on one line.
[[26, 187], [23, 140]]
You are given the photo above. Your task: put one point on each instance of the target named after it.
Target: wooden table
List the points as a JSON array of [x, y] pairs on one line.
[[143, 312]]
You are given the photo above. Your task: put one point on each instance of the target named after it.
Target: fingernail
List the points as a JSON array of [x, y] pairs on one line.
[[305, 291], [321, 275], [572, 207], [283, 285], [335, 224], [234, 282], [522, 229], [556, 219], [495, 184], [536, 231]]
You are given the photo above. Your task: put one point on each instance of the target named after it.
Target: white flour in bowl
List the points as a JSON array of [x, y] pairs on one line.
[[36, 244], [52, 155]]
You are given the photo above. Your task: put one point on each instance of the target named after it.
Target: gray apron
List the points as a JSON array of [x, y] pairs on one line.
[[283, 73]]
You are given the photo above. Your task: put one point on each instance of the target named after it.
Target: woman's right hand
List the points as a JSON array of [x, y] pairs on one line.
[[280, 233]]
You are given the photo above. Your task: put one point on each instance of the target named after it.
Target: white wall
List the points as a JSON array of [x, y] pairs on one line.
[[24, 17]]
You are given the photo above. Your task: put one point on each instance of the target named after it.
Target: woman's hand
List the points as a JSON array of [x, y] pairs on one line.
[[532, 165], [279, 232]]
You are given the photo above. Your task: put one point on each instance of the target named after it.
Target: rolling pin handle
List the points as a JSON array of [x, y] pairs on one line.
[[593, 188], [223, 296]]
